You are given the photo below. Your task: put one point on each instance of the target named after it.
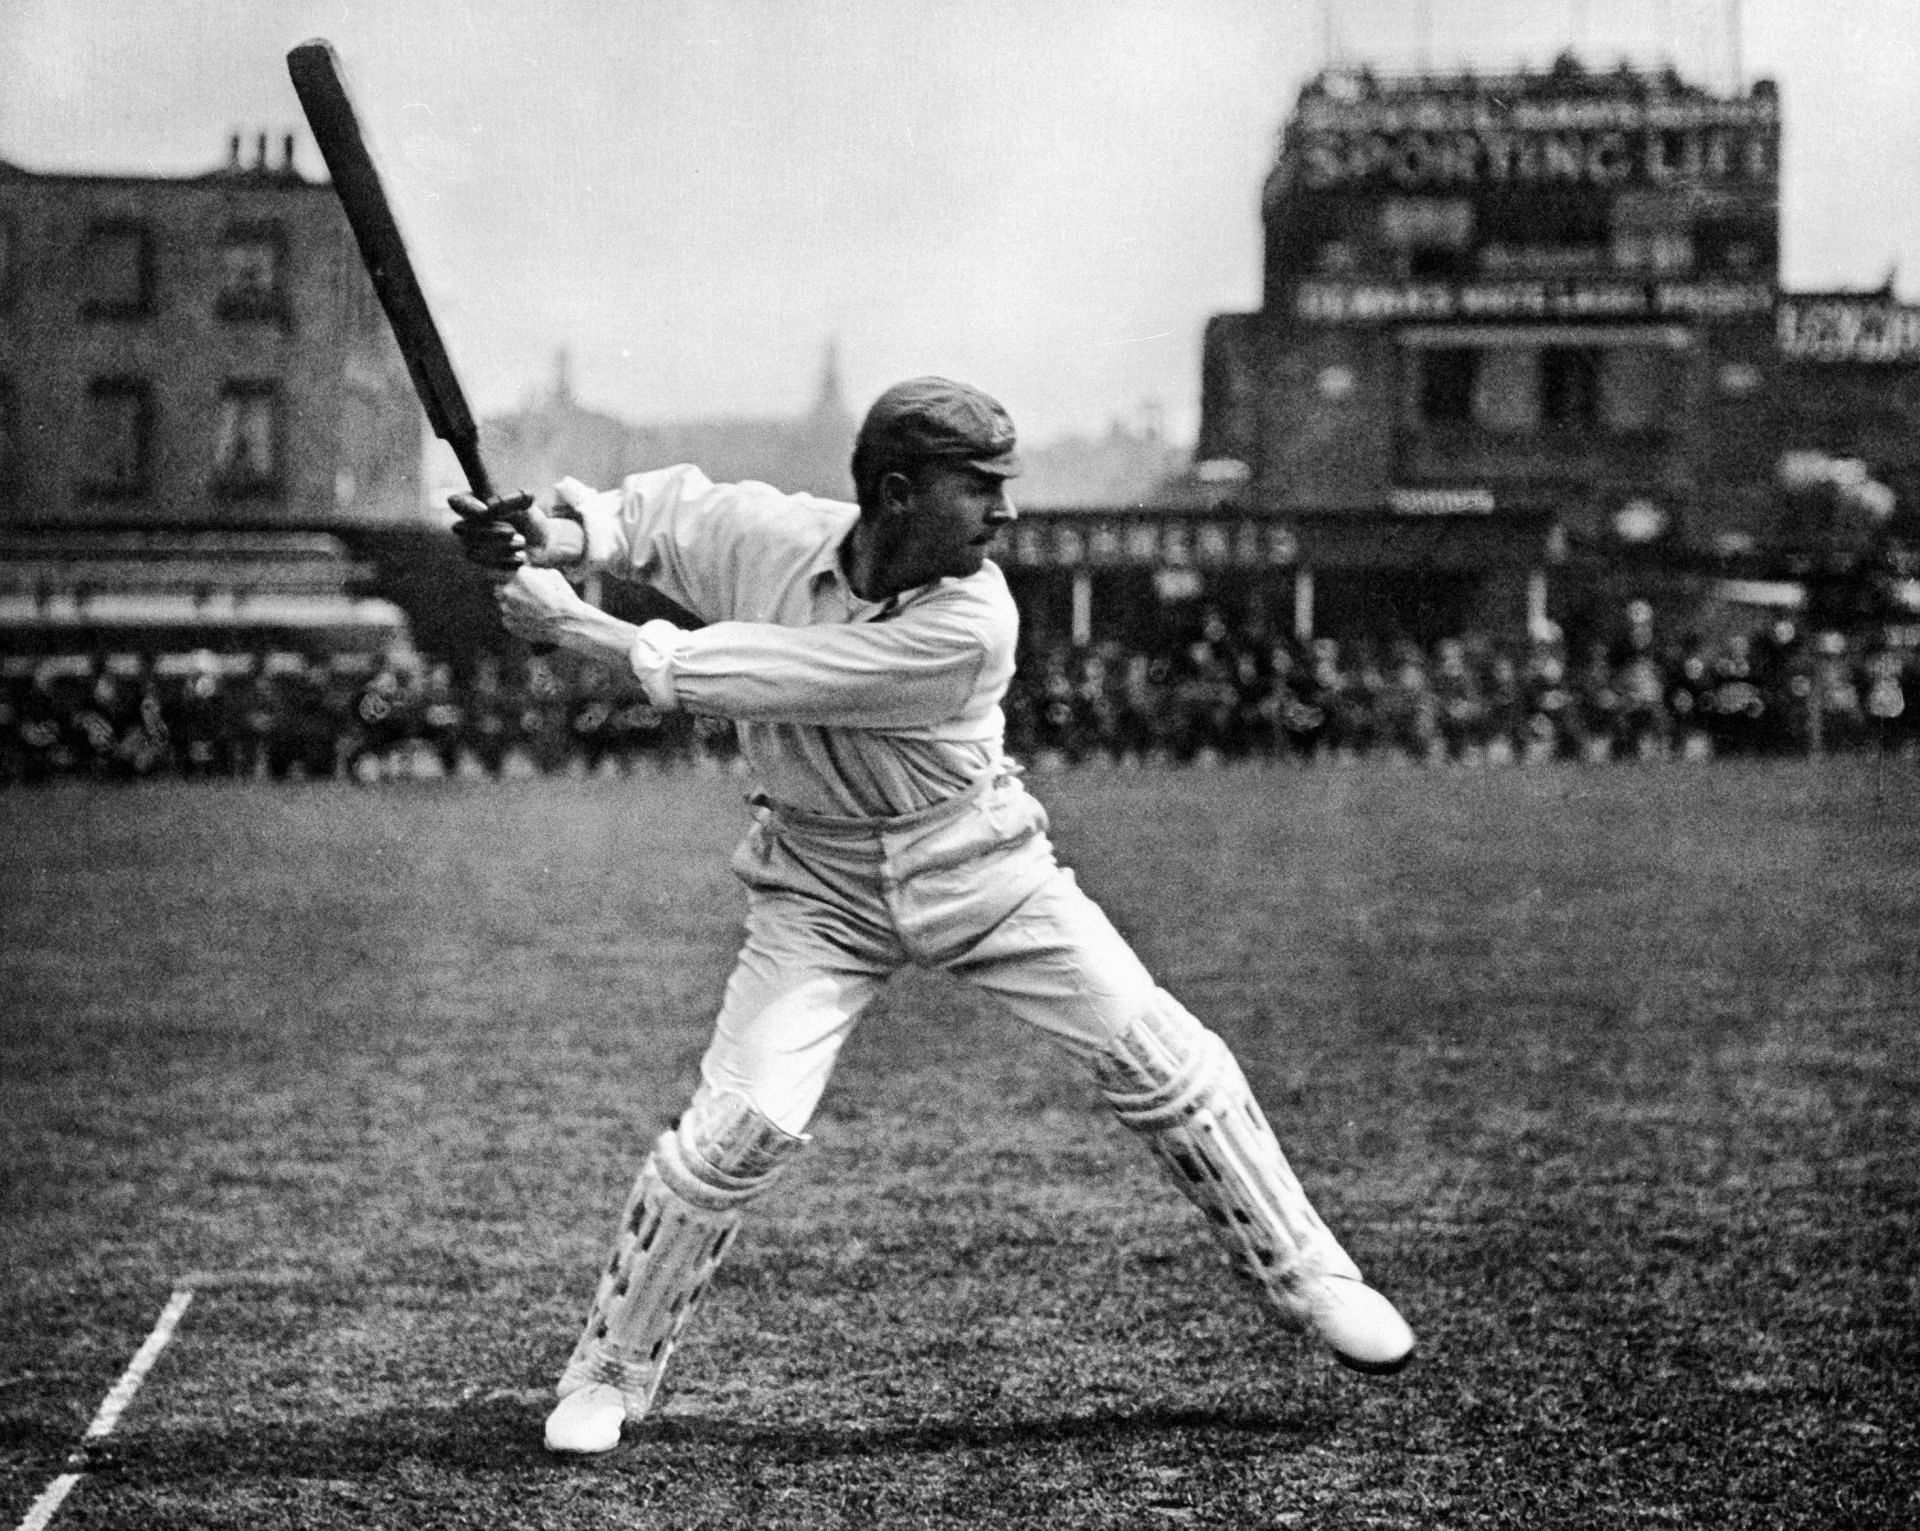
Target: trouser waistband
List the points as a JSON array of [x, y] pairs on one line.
[[837, 827]]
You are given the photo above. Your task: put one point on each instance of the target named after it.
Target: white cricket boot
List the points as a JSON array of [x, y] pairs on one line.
[[1364, 1331], [587, 1421]]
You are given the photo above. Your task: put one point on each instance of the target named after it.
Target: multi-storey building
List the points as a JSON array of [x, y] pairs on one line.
[[1849, 378], [1522, 354], [197, 392], [1521, 350], [1505, 319]]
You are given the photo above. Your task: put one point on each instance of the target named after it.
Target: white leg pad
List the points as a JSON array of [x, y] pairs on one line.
[[681, 1215], [1176, 1083]]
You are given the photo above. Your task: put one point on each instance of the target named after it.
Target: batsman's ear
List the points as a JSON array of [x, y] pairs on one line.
[[897, 489]]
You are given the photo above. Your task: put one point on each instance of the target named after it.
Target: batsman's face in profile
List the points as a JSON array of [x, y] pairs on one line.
[[946, 520]]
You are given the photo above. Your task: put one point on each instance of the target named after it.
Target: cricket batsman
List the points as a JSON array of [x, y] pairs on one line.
[[862, 651]]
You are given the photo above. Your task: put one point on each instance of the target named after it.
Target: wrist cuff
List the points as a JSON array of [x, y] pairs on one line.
[[651, 659], [598, 514], [580, 561]]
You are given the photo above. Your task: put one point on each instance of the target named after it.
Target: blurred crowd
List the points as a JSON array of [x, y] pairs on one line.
[[1217, 696], [1473, 700], [282, 715]]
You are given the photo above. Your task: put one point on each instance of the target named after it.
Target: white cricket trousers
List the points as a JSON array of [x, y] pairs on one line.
[[837, 906]]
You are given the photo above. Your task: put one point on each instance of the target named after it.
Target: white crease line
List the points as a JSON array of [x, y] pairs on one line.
[[42, 1509], [111, 1408], [115, 1403]]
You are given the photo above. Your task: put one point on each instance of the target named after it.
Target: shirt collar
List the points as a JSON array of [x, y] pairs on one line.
[[827, 565]]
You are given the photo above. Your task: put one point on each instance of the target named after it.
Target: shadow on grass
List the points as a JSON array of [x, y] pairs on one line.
[[496, 1436]]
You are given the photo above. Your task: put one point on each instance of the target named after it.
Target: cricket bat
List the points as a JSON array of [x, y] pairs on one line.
[[321, 85]]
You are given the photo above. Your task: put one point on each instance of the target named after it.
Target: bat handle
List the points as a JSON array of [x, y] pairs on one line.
[[467, 449]]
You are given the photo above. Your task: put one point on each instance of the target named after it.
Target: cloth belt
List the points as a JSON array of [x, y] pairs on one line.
[[829, 826]]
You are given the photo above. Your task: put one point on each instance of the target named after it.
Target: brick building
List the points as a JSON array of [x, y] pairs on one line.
[[198, 398], [1522, 354], [1523, 349], [1504, 319], [1848, 376]]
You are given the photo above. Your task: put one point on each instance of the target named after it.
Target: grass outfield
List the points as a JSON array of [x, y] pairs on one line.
[[1607, 1076]]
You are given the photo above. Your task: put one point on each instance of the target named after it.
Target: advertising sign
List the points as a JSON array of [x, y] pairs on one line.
[[1112, 541], [1440, 502], [1848, 329], [1438, 140], [1359, 302]]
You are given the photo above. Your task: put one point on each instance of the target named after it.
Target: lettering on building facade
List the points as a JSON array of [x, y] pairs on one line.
[[1113, 542], [1614, 143], [1320, 301], [1844, 329], [1441, 502]]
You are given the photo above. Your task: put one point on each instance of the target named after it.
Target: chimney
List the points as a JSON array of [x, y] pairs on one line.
[[260, 153], [286, 162], [233, 151]]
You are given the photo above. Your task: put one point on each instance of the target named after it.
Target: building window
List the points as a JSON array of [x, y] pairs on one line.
[[1432, 236], [9, 429], [1521, 390], [1738, 246], [1336, 257], [1570, 387], [1523, 230], [1652, 232], [252, 267], [1634, 390], [1507, 398], [1665, 252], [117, 437], [246, 452], [1447, 377], [116, 271]]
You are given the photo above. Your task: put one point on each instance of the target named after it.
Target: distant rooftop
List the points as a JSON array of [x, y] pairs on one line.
[[1562, 96], [1565, 77]]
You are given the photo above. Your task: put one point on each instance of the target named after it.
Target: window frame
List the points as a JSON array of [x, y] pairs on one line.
[[141, 304], [9, 435], [9, 260], [272, 304], [267, 483], [1452, 373], [1571, 390], [1566, 405], [140, 479]]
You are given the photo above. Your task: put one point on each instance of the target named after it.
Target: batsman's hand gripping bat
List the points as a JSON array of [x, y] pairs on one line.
[[320, 83]]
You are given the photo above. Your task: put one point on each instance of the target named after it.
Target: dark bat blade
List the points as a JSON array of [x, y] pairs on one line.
[[321, 85]]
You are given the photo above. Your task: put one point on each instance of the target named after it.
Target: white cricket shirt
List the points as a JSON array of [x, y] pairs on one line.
[[846, 707]]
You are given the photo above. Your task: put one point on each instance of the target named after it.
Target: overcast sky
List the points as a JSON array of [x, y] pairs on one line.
[[1047, 197]]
